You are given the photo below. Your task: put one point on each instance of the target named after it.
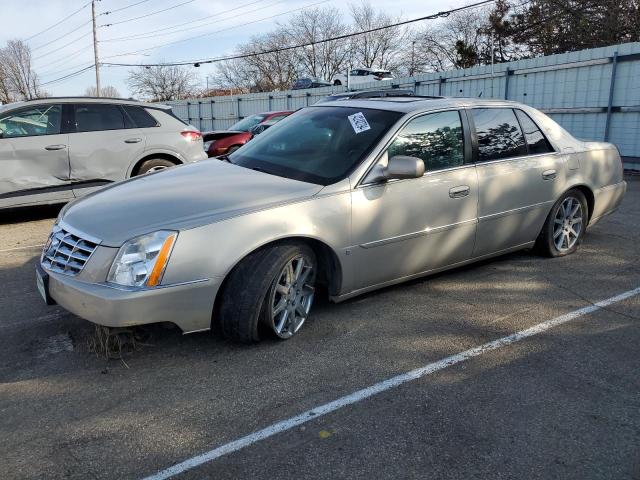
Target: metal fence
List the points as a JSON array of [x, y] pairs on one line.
[[594, 94]]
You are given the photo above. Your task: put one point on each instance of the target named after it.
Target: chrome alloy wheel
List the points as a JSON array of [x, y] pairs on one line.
[[567, 225], [292, 296], [157, 168]]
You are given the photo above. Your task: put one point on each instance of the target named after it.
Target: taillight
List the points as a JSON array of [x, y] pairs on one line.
[[191, 135]]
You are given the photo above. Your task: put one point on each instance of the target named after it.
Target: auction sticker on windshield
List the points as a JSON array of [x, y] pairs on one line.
[[359, 122]]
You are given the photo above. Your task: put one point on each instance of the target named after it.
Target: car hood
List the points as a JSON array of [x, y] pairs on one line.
[[183, 197]]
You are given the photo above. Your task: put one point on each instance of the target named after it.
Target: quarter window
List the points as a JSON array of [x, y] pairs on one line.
[[499, 134], [436, 138], [140, 117], [96, 117], [536, 140], [28, 122]]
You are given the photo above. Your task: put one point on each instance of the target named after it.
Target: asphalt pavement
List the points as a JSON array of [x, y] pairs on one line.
[[564, 403]]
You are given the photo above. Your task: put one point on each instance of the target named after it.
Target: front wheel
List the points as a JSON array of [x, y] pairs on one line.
[[273, 287], [565, 226]]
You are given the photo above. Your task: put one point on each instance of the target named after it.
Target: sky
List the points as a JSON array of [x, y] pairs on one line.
[[157, 30]]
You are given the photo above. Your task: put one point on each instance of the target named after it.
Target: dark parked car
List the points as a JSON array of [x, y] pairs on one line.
[[303, 83], [391, 92], [220, 142]]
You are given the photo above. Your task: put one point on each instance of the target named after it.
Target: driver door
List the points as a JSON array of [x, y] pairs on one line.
[[407, 227], [34, 156]]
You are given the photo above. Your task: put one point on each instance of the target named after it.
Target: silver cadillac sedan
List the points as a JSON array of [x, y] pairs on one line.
[[349, 198]]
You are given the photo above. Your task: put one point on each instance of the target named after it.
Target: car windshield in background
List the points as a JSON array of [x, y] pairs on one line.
[[383, 74], [317, 144], [245, 124]]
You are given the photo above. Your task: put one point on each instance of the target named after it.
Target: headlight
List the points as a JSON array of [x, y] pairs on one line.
[[206, 145], [141, 261]]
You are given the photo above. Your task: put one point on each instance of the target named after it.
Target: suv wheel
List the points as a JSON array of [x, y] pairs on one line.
[[274, 287], [154, 165]]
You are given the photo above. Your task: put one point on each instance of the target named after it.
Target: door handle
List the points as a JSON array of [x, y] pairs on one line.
[[459, 192], [55, 147], [549, 174], [133, 140]]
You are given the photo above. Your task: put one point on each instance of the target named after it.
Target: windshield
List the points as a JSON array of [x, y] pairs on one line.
[[245, 124], [383, 74], [318, 145]]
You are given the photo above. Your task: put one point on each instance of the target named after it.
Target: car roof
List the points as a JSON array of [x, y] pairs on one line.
[[122, 101], [417, 103]]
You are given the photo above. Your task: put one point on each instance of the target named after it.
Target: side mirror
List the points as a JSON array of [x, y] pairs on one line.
[[401, 166]]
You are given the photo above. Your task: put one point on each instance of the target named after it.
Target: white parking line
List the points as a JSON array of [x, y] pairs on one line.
[[392, 382], [26, 247]]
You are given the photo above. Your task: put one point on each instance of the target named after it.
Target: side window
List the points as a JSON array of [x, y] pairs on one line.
[[499, 134], [93, 117], [33, 121], [436, 138], [141, 118], [536, 140]]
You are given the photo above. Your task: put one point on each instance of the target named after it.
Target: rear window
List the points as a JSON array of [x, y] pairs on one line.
[[141, 118]]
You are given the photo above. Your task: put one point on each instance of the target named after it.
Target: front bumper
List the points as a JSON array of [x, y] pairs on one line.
[[187, 305]]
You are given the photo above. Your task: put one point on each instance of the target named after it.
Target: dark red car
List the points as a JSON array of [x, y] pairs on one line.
[[221, 142]]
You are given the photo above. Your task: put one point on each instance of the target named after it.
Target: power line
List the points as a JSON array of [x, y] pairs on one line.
[[69, 56], [74, 74], [445, 13], [63, 46], [60, 37], [58, 23], [148, 14], [123, 8], [211, 33], [147, 33]]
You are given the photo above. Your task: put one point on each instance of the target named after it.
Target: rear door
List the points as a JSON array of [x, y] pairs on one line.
[[34, 161], [519, 176], [103, 145]]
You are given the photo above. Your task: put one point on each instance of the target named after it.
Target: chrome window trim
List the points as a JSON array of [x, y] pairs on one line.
[[521, 157], [426, 174]]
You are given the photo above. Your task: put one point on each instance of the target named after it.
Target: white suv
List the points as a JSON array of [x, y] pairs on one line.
[[55, 149], [360, 76]]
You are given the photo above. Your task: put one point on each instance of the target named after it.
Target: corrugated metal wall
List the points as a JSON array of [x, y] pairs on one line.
[[594, 94]]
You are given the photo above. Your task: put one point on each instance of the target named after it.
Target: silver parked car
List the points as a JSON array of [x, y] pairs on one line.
[[351, 196], [55, 149]]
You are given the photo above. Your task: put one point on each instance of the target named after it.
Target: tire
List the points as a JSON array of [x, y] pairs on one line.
[[256, 283], [233, 149], [154, 165], [337, 83], [565, 225]]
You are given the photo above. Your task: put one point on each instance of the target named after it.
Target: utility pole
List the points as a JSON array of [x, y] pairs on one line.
[[95, 46]]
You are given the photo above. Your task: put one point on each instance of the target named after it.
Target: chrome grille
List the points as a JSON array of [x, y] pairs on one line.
[[66, 252]]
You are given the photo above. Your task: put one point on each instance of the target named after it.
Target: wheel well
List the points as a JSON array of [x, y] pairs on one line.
[[329, 269], [164, 156], [337, 82], [588, 194]]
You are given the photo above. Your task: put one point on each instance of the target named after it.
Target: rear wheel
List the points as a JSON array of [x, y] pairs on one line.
[[273, 287], [154, 165], [565, 226]]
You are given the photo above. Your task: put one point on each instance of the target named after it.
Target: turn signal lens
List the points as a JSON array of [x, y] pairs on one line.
[[161, 262]]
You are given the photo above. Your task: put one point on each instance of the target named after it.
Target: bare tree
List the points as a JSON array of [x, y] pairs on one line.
[[379, 49], [18, 81], [324, 59], [106, 91], [162, 83]]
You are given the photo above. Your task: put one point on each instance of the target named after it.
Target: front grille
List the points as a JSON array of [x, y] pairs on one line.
[[66, 252]]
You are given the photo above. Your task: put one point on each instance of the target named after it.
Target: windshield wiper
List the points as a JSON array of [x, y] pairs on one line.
[[225, 158]]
